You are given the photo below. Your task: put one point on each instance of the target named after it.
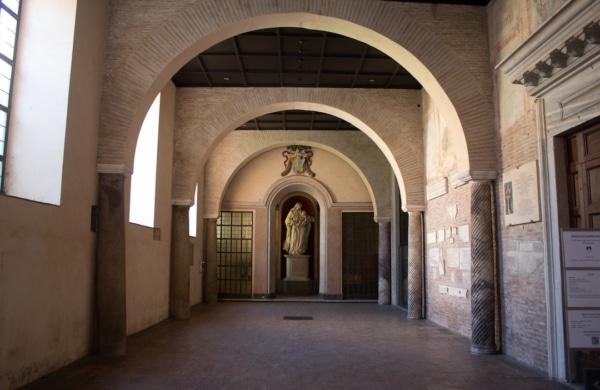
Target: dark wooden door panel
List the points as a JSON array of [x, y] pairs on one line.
[[583, 149], [359, 256]]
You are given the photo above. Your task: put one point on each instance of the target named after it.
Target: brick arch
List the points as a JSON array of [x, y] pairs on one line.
[[362, 156], [389, 118], [142, 70]]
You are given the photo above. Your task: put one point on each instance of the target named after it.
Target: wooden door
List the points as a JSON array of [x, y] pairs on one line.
[[359, 256], [584, 178], [583, 151]]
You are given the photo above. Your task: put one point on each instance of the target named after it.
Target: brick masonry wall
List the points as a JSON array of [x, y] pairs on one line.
[[448, 259], [393, 116], [144, 49], [521, 248]]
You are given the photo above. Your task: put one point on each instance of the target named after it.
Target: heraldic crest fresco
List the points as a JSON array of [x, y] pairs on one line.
[[297, 158]]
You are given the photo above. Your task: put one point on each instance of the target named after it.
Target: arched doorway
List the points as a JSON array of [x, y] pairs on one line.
[[286, 285]]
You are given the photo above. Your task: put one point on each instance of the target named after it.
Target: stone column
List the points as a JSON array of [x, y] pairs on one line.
[[384, 263], [482, 269], [110, 266], [415, 265], [211, 284], [181, 260]]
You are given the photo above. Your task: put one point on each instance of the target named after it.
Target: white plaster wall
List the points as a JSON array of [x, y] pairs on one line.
[[46, 252], [251, 182], [148, 260], [38, 119]]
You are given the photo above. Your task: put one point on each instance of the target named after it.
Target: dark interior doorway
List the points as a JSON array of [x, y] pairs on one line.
[[359, 256], [583, 177], [311, 207]]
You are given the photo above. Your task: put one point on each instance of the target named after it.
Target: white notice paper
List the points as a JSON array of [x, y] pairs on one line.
[[584, 328], [583, 288], [581, 248]]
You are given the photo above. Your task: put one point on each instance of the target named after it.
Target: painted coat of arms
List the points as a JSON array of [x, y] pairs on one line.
[[297, 158]]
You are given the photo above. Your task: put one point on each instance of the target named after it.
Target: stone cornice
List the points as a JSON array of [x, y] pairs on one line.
[[561, 45]]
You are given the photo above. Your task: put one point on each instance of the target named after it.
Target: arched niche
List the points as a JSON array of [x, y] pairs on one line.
[[274, 196]]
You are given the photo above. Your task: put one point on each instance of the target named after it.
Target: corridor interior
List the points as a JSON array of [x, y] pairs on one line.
[[296, 193]]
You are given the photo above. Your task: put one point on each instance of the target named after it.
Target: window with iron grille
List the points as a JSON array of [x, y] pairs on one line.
[[9, 23], [234, 253]]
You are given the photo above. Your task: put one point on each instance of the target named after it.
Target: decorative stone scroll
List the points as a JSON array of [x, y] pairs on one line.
[[561, 57], [298, 158]]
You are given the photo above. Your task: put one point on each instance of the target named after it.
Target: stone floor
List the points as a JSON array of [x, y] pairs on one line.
[[248, 345]]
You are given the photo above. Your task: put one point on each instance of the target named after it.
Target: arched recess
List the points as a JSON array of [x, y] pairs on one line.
[[273, 196], [141, 70], [391, 119], [363, 157]]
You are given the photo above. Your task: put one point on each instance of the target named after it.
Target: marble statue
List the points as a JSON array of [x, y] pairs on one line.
[[297, 224]]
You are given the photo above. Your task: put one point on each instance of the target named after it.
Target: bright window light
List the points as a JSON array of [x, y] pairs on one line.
[[143, 180], [194, 214], [9, 20]]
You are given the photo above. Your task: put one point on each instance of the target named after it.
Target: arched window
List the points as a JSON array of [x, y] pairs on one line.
[[9, 27], [143, 180], [33, 152], [194, 214]]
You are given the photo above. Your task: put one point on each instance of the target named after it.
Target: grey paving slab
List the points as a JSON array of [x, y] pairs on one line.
[[248, 345]]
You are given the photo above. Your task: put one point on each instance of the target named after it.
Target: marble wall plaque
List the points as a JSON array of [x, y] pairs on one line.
[[465, 258], [463, 233], [452, 257], [433, 256], [431, 238], [441, 236], [520, 195]]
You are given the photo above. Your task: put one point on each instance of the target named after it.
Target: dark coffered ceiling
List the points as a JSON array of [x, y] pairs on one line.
[[456, 2], [297, 120], [293, 57]]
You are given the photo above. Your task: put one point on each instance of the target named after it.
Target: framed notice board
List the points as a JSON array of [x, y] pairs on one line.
[[581, 287]]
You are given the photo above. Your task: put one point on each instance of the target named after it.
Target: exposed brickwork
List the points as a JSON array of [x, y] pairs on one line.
[[392, 117], [521, 264], [145, 51], [449, 311], [521, 251]]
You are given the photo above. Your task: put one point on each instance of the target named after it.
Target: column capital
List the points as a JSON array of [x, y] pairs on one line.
[[182, 202], [414, 208], [118, 169]]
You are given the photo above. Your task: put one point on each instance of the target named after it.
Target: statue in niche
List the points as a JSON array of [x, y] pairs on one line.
[[297, 224], [298, 158]]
